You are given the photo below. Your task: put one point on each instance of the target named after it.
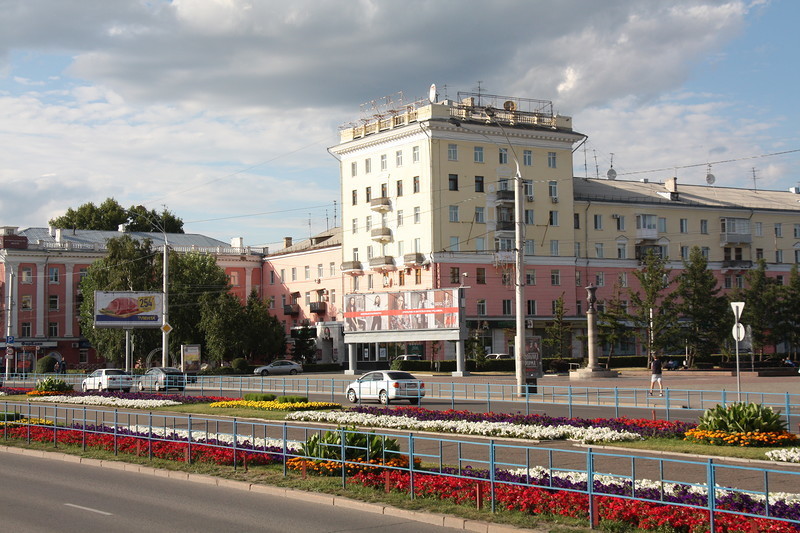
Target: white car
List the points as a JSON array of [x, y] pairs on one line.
[[104, 379], [386, 386]]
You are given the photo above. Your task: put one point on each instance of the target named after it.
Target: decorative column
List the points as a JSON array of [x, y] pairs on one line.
[[593, 369]]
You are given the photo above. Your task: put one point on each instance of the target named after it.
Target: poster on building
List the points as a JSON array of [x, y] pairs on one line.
[[397, 311], [532, 358], [116, 309]]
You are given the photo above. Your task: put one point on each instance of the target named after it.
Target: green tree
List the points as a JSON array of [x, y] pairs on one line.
[[264, 334], [790, 311], [762, 297], [614, 323], [557, 335], [305, 346], [222, 319], [701, 307], [652, 308], [109, 215], [140, 219]]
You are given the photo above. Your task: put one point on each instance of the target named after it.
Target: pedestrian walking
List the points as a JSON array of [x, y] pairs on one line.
[[655, 375]]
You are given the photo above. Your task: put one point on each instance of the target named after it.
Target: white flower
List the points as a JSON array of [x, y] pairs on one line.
[[105, 401], [792, 455], [201, 436]]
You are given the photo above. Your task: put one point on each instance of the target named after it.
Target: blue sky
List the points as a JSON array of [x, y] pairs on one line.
[[222, 110]]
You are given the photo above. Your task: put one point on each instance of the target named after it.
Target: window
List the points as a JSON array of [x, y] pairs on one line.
[[478, 183], [332, 269], [503, 244], [455, 275], [620, 223], [52, 302], [452, 182], [662, 225], [401, 278], [598, 222], [399, 217], [759, 253], [704, 227], [554, 248], [384, 190], [355, 197], [551, 160], [52, 329], [478, 154], [415, 184], [579, 307], [622, 250], [480, 244], [507, 307], [480, 215], [353, 169], [480, 276], [623, 279], [577, 248], [530, 308], [26, 275], [417, 276], [529, 216], [481, 309], [308, 298], [527, 188], [272, 277], [399, 187], [530, 277], [598, 250], [355, 226], [233, 278], [706, 251], [417, 245], [555, 278], [283, 274], [27, 302], [578, 281], [384, 162], [320, 271], [454, 244], [797, 256], [778, 230], [505, 278], [553, 218], [356, 283], [646, 222], [452, 152], [779, 256], [684, 225], [739, 281], [370, 281], [552, 188], [25, 330], [529, 247], [415, 154], [779, 280], [797, 231], [576, 221], [355, 254], [367, 166], [369, 223], [503, 156], [417, 215], [527, 158], [401, 248], [502, 185], [370, 252], [368, 194], [53, 275], [758, 229], [294, 273], [398, 158], [600, 279]]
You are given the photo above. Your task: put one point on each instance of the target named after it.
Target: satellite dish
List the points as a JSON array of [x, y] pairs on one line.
[[611, 174], [710, 179], [432, 95], [509, 105]]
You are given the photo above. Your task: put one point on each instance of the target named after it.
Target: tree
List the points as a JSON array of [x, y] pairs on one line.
[[762, 306], [701, 308], [305, 346], [222, 322], [613, 323], [790, 311], [264, 334], [652, 310], [110, 215], [557, 334]]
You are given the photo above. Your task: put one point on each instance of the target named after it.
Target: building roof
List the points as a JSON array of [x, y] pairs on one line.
[[648, 192], [86, 239], [326, 239]]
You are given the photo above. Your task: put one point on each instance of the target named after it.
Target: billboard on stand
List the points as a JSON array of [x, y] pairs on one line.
[[127, 309]]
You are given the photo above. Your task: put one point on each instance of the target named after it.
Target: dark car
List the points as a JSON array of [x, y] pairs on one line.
[[162, 378]]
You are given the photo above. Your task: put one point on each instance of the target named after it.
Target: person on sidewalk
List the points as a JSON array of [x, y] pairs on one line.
[[655, 375]]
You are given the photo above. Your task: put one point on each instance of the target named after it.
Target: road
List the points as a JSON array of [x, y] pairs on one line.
[[42, 495]]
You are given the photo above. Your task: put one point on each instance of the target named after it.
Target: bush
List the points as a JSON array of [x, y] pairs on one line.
[[5, 416], [218, 371], [364, 446], [291, 399], [51, 384], [240, 366], [322, 367], [46, 365], [741, 418], [258, 397]]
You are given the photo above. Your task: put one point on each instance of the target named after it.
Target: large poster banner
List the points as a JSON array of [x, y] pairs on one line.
[[407, 310], [127, 309]]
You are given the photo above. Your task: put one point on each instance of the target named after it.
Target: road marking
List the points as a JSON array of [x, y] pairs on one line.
[[88, 509]]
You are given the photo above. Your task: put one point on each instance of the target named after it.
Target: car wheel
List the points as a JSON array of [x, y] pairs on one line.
[[384, 397], [293, 371], [413, 401], [265, 372], [100, 388], [351, 396], [158, 387], [83, 387], [126, 390], [141, 387]]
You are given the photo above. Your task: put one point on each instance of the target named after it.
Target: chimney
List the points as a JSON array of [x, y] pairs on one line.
[[58, 235], [671, 184], [287, 242], [237, 242]]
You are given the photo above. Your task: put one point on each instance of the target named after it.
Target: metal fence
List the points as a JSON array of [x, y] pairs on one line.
[[495, 464]]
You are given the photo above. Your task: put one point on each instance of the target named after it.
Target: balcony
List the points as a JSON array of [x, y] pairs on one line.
[[291, 309], [412, 260], [381, 234], [737, 264], [646, 234], [352, 267], [319, 308], [382, 264], [381, 205], [503, 225], [735, 238], [504, 196]]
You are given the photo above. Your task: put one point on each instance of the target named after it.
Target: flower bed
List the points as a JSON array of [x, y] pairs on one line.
[[792, 455], [749, 438], [334, 468], [274, 405], [109, 401]]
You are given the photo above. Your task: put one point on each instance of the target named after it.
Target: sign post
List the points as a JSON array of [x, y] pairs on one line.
[[738, 335]]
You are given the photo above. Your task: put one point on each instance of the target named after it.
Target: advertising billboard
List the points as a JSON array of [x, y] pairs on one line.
[[125, 309], [435, 309]]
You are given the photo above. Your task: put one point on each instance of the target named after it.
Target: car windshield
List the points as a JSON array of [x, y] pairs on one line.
[[399, 375], [171, 371], [115, 372]]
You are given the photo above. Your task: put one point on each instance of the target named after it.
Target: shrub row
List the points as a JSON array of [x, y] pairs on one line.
[[266, 397]]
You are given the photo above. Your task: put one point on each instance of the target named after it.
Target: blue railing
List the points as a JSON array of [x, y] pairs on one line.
[[489, 461]]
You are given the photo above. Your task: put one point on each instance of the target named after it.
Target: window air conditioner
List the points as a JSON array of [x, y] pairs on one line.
[[554, 199], [529, 197]]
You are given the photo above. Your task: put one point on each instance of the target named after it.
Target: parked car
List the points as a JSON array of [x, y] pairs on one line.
[[279, 367], [104, 379], [499, 356], [386, 386], [162, 378], [408, 357]]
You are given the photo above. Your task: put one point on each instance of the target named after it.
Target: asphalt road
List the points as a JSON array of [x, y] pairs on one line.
[[43, 495]]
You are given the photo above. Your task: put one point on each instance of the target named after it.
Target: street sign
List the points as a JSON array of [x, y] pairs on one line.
[[9, 339], [9, 352], [166, 328], [738, 332], [737, 310]]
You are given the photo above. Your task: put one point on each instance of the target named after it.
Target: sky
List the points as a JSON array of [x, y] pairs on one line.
[[222, 110]]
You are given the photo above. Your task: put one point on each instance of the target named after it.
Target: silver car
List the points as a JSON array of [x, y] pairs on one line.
[[386, 386], [279, 367], [162, 378], [104, 379]]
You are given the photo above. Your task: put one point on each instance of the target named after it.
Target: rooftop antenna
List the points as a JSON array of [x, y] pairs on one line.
[[611, 174], [596, 166], [327, 221], [309, 225], [585, 162], [334, 213], [755, 186], [710, 178]]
